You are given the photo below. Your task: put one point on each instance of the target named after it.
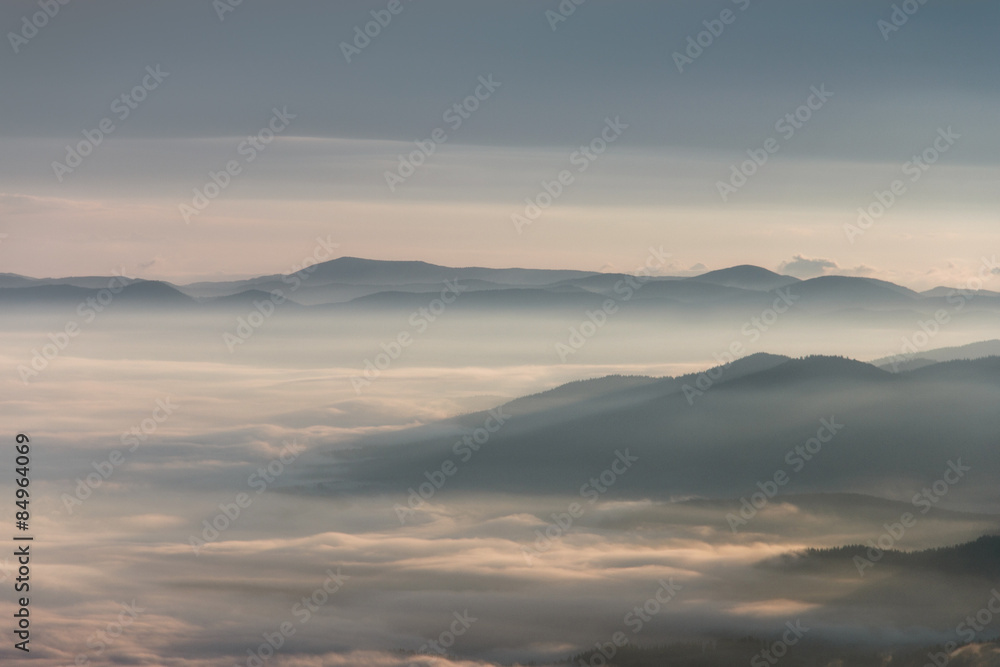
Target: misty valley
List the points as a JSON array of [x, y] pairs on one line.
[[671, 492]]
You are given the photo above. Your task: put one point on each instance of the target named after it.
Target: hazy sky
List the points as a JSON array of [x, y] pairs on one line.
[[891, 95]]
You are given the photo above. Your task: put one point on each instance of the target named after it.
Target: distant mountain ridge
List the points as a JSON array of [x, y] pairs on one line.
[[980, 557], [986, 348], [141, 292], [746, 276], [750, 414], [352, 281]]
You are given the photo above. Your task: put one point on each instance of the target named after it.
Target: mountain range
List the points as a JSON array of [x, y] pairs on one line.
[[352, 281], [712, 433]]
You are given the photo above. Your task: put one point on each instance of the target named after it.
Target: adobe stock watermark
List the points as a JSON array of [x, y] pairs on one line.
[[697, 44], [223, 7], [248, 150], [913, 169], [779, 648], [381, 18], [122, 107], [751, 329], [464, 448], [455, 116], [581, 158], [796, 458], [230, 512], [929, 328], [925, 500], [786, 127], [301, 612], [262, 311], [255, 319], [101, 640], [131, 438], [31, 25], [899, 17], [88, 310], [624, 290], [966, 629], [640, 615], [446, 638], [592, 491], [419, 320], [635, 620], [562, 12]]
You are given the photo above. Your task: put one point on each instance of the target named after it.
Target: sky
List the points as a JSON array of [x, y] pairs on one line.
[[677, 119]]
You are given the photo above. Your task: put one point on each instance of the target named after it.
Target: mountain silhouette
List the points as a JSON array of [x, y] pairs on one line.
[[746, 276], [715, 433]]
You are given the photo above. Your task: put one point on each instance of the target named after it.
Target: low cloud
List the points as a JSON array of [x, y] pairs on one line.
[[804, 267]]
